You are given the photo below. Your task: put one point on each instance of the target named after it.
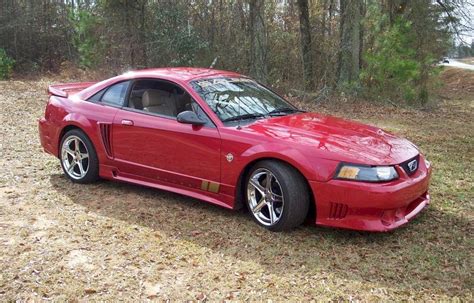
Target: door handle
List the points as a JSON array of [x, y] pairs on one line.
[[127, 122]]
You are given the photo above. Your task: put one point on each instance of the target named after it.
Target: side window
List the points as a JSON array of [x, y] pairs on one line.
[[115, 94], [159, 97], [97, 96], [163, 98], [200, 113]]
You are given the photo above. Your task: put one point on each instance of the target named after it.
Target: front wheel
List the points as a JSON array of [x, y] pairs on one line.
[[277, 195], [78, 157]]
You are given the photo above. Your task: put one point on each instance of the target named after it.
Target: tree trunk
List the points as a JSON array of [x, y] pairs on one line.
[[305, 32], [350, 30], [324, 18], [331, 9], [363, 13], [394, 8], [258, 41], [143, 61]]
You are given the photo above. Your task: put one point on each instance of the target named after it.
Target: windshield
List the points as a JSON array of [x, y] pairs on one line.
[[235, 99]]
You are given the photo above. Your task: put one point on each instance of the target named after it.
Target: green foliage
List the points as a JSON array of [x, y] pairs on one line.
[[175, 42], [6, 65], [400, 42], [402, 50], [463, 50], [391, 67], [85, 38]]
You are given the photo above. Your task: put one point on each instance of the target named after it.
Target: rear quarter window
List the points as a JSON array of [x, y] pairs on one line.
[[115, 94], [97, 96]]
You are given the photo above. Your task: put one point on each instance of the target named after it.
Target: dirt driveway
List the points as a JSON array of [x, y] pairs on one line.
[[112, 241]]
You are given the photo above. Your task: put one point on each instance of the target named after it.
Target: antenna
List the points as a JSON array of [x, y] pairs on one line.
[[213, 62]]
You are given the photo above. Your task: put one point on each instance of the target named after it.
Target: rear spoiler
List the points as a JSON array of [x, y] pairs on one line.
[[66, 89]]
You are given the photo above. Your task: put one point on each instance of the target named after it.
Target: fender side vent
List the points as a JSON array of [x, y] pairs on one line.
[[338, 211], [105, 129]]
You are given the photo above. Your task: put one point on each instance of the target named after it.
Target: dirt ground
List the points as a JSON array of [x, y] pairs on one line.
[[113, 241]]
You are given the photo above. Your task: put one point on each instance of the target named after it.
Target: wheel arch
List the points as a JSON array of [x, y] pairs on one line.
[[239, 189], [77, 121], [92, 173], [68, 127], [64, 130]]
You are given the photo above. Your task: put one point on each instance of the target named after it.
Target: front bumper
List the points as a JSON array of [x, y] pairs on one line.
[[372, 206]]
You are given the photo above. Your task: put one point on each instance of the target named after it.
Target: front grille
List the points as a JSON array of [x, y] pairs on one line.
[[411, 166]]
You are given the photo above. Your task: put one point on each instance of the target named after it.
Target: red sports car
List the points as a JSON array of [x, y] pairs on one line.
[[226, 139]]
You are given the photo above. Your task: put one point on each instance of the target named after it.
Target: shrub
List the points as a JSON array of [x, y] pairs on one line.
[[176, 42], [85, 38], [6, 65], [392, 69]]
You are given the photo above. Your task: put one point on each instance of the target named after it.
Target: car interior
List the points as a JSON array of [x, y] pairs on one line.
[[154, 96], [160, 97]]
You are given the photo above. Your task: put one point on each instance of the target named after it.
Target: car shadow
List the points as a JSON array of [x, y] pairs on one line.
[[422, 251]]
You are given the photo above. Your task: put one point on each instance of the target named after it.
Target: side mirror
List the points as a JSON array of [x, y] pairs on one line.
[[189, 117]]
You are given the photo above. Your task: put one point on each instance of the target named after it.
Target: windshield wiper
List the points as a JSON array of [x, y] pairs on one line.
[[284, 110], [244, 116]]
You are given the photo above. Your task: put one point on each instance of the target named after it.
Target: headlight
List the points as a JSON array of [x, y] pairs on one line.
[[366, 173]]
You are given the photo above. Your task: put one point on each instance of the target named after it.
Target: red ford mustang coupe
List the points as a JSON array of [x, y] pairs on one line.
[[223, 138]]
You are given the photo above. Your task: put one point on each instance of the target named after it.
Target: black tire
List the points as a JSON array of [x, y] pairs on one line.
[[92, 173], [294, 190]]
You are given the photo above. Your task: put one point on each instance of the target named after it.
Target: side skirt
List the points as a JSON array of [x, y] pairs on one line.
[[223, 200]]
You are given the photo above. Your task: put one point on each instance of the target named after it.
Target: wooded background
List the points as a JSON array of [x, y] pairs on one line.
[[387, 49]]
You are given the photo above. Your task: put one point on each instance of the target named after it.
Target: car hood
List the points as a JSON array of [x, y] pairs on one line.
[[336, 138]]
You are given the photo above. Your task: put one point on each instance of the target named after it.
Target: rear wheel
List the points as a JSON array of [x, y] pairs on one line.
[[277, 196], [78, 157]]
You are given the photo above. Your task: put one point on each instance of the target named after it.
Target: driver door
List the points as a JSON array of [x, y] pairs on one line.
[[150, 144]]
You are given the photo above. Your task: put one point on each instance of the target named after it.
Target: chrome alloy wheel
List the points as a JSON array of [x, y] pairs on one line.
[[265, 197], [75, 157]]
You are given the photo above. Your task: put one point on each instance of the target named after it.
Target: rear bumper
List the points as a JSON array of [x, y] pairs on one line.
[[46, 135], [372, 206]]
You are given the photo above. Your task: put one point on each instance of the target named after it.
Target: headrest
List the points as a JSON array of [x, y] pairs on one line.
[[154, 97]]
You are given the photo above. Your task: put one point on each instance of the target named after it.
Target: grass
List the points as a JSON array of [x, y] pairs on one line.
[[106, 241]]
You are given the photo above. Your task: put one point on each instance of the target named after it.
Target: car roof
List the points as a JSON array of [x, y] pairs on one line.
[[180, 73], [175, 74]]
